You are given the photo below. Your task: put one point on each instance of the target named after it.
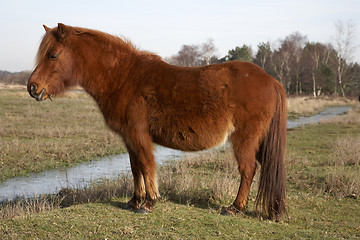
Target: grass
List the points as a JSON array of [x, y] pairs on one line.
[[38, 136], [327, 156], [104, 220], [323, 197]]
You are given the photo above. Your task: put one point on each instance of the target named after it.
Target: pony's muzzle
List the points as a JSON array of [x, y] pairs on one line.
[[37, 96]]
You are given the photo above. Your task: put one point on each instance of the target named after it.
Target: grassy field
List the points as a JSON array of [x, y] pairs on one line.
[[323, 187], [35, 136]]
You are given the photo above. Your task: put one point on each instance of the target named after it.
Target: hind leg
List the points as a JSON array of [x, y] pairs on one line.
[[244, 149]]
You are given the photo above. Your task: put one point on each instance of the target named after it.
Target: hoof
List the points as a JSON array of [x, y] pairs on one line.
[[231, 211], [133, 204], [147, 206]]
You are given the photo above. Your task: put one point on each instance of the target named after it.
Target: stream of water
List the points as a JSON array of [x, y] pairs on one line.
[[50, 182]]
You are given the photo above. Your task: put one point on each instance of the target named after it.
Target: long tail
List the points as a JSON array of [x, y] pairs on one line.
[[271, 192]]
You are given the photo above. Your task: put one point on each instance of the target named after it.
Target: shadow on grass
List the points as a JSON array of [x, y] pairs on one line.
[[198, 204]]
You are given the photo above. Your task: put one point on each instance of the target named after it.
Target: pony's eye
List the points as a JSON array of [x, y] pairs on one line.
[[54, 56]]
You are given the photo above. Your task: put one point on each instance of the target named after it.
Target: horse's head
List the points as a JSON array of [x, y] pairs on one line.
[[54, 71]]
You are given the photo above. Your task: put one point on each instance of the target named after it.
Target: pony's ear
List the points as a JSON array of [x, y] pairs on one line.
[[46, 28], [62, 31]]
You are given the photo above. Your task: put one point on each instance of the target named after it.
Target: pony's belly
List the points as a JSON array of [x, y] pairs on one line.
[[191, 140]]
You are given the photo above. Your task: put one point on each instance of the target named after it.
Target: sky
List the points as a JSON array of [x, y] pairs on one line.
[[163, 26]]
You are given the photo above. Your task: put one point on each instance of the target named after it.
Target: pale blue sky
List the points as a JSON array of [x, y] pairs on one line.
[[163, 26]]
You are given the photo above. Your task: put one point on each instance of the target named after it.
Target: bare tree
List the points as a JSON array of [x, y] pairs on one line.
[[195, 55], [297, 42], [281, 68], [286, 61], [188, 56], [315, 57], [345, 48], [208, 51]]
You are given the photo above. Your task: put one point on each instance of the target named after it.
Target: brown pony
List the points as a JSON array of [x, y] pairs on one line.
[[146, 101]]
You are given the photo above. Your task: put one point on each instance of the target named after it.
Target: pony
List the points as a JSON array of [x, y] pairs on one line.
[[146, 101]]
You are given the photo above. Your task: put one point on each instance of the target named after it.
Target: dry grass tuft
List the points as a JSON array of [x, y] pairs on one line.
[[347, 152], [341, 183], [188, 181], [22, 207], [343, 179], [105, 190], [338, 178]]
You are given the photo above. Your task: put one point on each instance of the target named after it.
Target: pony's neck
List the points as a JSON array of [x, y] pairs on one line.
[[103, 62]]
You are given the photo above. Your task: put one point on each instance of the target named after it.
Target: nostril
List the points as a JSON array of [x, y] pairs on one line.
[[33, 88]]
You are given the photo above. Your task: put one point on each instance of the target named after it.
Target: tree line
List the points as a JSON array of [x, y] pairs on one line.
[[302, 67], [20, 78]]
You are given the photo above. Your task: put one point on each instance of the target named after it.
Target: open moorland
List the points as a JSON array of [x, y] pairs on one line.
[[38, 136], [323, 181]]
